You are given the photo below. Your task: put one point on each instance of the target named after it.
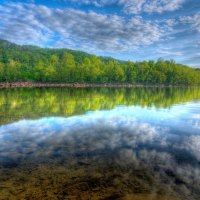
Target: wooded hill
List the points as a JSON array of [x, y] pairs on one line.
[[35, 64]]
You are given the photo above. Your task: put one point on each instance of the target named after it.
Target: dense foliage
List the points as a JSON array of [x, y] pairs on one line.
[[30, 63]]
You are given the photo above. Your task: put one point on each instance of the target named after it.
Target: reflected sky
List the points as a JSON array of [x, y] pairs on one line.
[[165, 141], [132, 127]]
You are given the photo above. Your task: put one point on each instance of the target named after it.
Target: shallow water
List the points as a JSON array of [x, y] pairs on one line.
[[100, 144]]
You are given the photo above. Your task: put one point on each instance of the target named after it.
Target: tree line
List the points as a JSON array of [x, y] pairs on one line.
[[30, 63]]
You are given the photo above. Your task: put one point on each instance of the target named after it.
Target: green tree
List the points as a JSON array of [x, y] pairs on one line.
[[85, 70], [40, 72], [11, 71], [1, 72], [130, 72], [30, 63], [66, 69]]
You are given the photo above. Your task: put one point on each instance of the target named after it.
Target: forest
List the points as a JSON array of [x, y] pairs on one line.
[[22, 63]]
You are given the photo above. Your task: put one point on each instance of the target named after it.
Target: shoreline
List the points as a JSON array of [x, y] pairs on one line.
[[83, 85]]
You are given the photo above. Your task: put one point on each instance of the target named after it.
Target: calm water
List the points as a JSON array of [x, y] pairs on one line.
[[140, 144]]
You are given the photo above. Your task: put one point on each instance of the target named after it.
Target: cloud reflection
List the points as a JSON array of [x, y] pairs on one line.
[[96, 131], [89, 132], [118, 135]]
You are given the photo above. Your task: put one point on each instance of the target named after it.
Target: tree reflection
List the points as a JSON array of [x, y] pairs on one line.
[[16, 104]]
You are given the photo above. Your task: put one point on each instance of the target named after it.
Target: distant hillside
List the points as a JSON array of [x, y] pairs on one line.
[[32, 53], [32, 63]]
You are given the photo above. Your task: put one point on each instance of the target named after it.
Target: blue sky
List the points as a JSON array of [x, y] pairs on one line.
[[124, 29]]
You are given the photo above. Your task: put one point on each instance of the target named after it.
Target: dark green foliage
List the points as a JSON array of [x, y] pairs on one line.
[[31, 63]]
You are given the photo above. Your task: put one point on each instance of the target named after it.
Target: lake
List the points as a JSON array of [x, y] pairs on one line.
[[100, 143]]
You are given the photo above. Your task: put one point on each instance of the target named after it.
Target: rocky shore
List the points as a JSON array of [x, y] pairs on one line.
[[79, 85]]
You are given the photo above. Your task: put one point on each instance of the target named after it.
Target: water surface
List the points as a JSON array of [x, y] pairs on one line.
[[61, 143]]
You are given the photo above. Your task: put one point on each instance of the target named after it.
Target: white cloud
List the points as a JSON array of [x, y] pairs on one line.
[[169, 52], [161, 6], [40, 24], [192, 144], [97, 3], [138, 6], [171, 22], [193, 21]]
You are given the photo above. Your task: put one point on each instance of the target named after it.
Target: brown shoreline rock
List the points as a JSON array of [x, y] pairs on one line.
[[80, 85]]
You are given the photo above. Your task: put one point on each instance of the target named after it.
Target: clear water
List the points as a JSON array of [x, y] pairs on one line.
[[66, 143]]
